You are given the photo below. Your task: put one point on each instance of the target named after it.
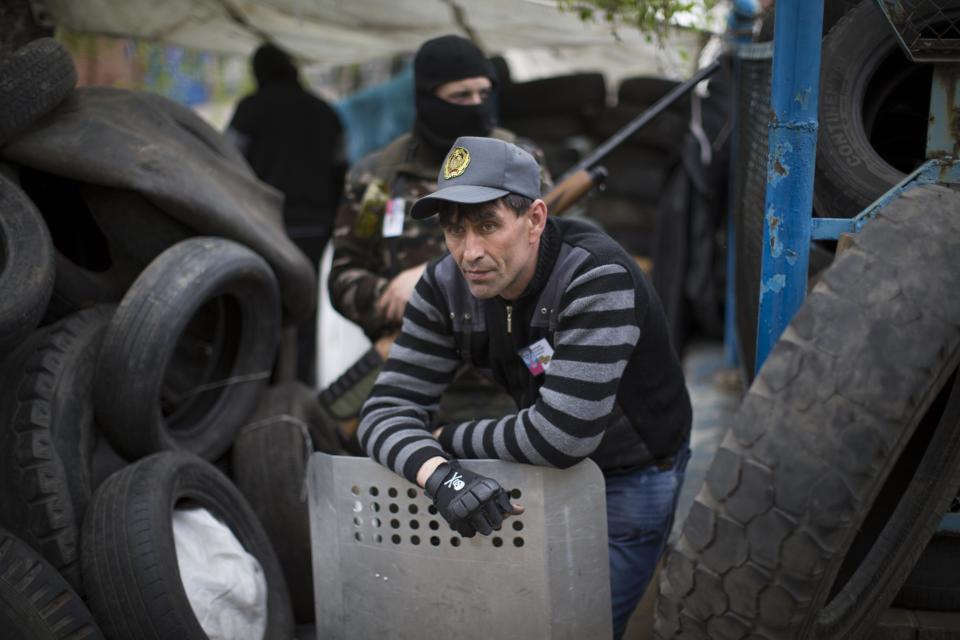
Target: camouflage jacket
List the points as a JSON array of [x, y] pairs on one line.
[[363, 260]]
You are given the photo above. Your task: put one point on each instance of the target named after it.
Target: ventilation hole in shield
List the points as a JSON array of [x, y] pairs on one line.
[[415, 540], [374, 491], [434, 525], [378, 538], [392, 492], [518, 542], [498, 542], [435, 541], [375, 522], [355, 490], [413, 509], [358, 537], [414, 524], [515, 494], [358, 521], [393, 508], [411, 493], [432, 510], [375, 506], [455, 542], [395, 523], [395, 539], [517, 525]]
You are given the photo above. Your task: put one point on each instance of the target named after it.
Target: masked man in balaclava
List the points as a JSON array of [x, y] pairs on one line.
[[379, 250]]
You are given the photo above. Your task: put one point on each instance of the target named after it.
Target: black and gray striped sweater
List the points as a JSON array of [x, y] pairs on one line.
[[613, 391]]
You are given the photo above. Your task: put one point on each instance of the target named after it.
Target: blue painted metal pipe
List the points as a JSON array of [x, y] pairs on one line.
[[788, 206], [739, 31]]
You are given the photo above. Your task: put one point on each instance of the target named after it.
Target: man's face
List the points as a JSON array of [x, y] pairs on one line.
[[496, 250], [468, 91]]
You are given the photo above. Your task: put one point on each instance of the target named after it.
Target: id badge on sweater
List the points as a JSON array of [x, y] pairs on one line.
[[393, 218], [537, 356]]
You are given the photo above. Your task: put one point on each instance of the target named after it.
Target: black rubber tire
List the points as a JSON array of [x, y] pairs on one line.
[[90, 269], [129, 555], [643, 91], [270, 458], [635, 172], [573, 94], [26, 265], [845, 453], [189, 121], [36, 603], [33, 80], [133, 227], [874, 109], [149, 363], [51, 452], [556, 127], [663, 133], [934, 582]]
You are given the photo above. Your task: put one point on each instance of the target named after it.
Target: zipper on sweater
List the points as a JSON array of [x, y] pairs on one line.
[[509, 318]]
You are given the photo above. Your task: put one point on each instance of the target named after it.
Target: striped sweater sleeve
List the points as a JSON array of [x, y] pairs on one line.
[[597, 331], [395, 420]]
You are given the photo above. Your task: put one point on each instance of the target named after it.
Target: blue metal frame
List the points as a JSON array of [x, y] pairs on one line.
[[936, 171], [790, 225], [794, 98]]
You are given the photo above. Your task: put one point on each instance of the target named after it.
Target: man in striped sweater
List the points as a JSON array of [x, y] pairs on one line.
[[561, 317]]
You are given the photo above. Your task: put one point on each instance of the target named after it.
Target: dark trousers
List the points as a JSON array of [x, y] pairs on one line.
[[640, 506]]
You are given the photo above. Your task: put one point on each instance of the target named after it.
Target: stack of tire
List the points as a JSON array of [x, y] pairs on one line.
[[555, 113], [637, 169], [822, 505], [144, 281]]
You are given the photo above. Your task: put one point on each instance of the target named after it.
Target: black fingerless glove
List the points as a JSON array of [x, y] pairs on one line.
[[468, 501]]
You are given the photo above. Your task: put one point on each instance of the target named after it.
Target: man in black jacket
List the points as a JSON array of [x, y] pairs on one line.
[[293, 140], [564, 320]]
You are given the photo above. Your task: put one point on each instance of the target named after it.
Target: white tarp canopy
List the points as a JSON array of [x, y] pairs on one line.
[[335, 32]]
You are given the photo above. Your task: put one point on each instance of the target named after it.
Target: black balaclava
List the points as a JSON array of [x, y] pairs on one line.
[[441, 60], [271, 65]]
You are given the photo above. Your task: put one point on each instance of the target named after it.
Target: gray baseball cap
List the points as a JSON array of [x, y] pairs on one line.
[[480, 170]]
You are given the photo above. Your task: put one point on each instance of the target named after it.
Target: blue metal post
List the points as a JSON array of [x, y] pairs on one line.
[[740, 31], [793, 144]]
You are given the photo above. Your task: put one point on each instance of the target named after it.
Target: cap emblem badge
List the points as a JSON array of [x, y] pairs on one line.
[[456, 163]]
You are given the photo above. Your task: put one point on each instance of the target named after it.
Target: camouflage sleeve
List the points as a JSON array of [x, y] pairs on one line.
[[356, 279], [546, 180]]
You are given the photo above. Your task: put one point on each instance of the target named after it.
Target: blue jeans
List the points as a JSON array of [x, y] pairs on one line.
[[640, 506]]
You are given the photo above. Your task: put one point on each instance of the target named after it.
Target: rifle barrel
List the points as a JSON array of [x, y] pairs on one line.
[[630, 128]]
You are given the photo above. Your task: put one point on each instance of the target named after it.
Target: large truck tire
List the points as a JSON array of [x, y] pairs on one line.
[[845, 452]]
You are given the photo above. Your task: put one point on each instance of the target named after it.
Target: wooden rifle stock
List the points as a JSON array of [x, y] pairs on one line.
[[573, 187]]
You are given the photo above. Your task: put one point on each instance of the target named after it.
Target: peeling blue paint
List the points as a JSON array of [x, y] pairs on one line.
[[778, 166], [773, 223], [774, 284], [793, 127]]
